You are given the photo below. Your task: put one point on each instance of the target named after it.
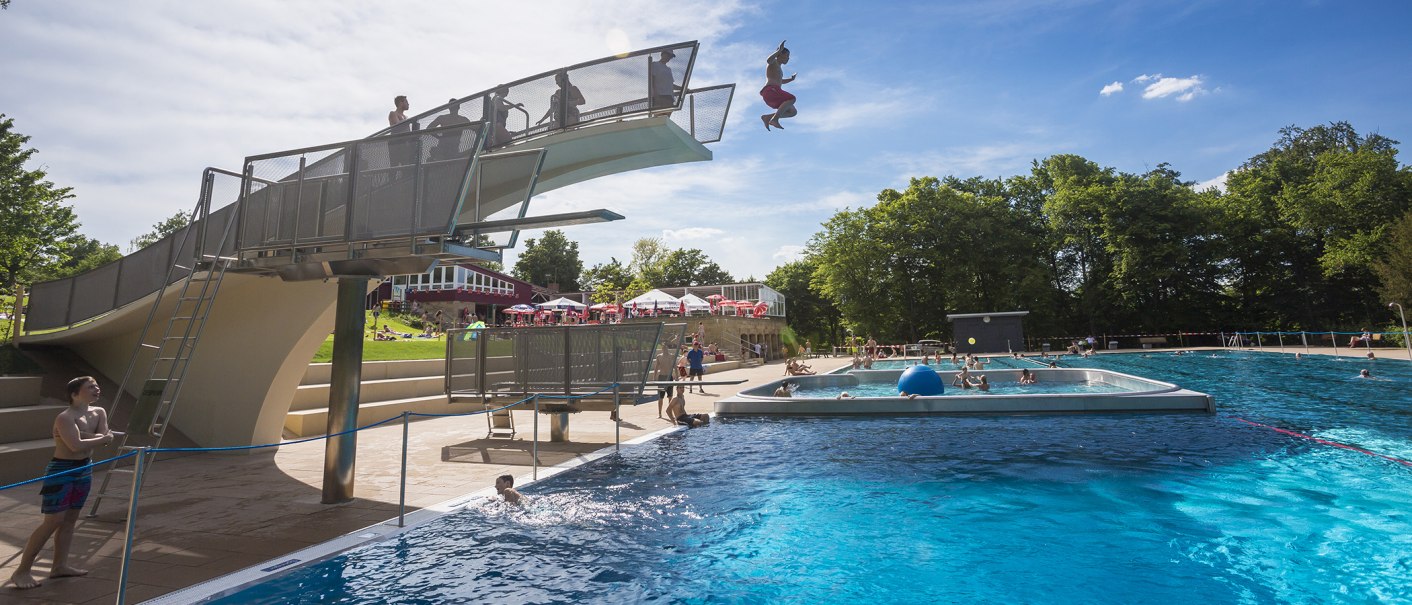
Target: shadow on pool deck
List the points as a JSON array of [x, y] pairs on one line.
[[205, 515]]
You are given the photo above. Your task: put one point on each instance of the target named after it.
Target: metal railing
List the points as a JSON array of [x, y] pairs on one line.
[[69, 301], [561, 360], [610, 88]]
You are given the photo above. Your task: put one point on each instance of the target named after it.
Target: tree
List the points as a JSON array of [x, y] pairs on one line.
[[163, 228], [84, 255], [689, 267], [35, 224], [606, 280], [647, 256], [1395, 268], [551, 259], [810, 313]]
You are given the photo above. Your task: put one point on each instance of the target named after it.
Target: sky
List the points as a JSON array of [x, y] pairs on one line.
[[127, 102]]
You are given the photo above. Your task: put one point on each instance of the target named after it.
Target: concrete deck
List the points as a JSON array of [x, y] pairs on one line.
[[206, 515]]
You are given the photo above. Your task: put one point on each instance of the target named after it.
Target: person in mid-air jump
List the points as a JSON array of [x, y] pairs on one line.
[[778, 100]]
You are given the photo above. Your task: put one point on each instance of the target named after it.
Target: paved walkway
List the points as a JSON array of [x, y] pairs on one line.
[[206, 515]]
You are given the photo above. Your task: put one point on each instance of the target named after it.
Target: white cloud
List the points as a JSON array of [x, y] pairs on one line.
[[1185, 89], [788, 254], [1145, 78], [1002, 159], [690, 233], [1219, 183], [1111, 89]]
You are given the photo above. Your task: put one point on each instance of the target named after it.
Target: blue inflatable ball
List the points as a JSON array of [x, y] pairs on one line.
[[920, 380]]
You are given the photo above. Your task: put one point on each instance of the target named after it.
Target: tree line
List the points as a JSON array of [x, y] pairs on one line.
[[553, 258], [1314, 233]]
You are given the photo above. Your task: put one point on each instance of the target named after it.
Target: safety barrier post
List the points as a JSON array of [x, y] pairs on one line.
[[1282, 341], [1304, 336], [1224, 344], [617, 421], [131, 522], [402, 488], [1334, 339], [1258, 343], [535, 453]]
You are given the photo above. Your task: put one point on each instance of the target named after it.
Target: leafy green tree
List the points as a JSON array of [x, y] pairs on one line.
[[84, 255], [690, 267], [647, 256], [35, 223], [163, 228], [551, 259], [1394, 269], [809, 312], [606, 280]]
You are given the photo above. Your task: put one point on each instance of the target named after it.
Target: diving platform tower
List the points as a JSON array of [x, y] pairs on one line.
[[303, 234]]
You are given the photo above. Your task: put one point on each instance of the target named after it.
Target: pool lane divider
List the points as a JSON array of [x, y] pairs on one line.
[[1328, 442]]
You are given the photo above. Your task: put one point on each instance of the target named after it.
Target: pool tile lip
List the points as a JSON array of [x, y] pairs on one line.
[[237, 581]]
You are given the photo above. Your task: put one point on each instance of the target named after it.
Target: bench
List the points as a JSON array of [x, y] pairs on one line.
[[1148, 341]]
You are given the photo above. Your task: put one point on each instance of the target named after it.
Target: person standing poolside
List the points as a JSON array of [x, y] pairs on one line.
[[696, 369], [775, 96], [77, 430], [505, 487]]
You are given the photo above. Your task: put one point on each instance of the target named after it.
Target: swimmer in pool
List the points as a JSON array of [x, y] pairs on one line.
[[1026, 377], [982, 383], [505, 487], [844, 395], [1364, 373], [783, 390], [961, 378]]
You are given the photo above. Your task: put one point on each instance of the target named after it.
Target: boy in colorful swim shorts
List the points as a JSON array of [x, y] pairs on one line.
[[778, 100], [78, 430]]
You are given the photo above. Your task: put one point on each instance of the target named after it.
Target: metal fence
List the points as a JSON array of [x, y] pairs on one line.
[[563, 360], [64, 302]]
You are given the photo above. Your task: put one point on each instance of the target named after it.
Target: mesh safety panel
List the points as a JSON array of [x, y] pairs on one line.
[[703, 113], [553, 360], [49, 304], [143, 272]]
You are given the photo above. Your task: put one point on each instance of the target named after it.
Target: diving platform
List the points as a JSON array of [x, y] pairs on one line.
[[451, 184]]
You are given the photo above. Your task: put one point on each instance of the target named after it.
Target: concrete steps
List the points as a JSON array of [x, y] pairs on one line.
[[21, 460], [28, 422], [305, 423], [17, 391]]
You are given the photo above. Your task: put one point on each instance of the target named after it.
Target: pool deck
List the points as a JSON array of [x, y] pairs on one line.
[[207, 515]]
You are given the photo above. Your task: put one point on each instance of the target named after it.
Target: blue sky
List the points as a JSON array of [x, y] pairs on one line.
[[127, 102]]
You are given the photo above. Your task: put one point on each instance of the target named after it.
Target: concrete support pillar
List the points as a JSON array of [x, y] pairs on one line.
[[340, 453]]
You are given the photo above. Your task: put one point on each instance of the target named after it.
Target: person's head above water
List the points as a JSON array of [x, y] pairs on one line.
[[1364, 373]]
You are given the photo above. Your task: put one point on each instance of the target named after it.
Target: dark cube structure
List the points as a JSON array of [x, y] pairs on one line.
[[988, 332]]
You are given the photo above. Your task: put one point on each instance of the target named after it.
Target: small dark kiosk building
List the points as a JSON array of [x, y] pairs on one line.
[[988, 332]]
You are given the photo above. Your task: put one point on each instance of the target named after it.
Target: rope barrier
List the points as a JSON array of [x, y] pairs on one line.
[[1327, 442], [423, 414], [233, 448], [569, 397], [68, 472]]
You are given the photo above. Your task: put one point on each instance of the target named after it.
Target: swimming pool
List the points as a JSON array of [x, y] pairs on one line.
[[996, 362], [1068, 509], [876, 389]]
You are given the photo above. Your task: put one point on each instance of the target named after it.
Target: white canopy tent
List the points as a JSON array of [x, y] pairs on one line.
[[654, 299], [561, 303], [695, 303]]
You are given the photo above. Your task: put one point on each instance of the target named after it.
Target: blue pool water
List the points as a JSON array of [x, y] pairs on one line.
[[1185, 508], [875, 389]]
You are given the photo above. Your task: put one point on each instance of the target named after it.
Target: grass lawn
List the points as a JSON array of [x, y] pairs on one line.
[[389, 350]]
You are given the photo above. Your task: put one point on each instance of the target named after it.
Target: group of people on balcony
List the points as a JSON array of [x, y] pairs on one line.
[[563, 110]]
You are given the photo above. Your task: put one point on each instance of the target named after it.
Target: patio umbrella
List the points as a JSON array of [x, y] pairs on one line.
[[717, 298], [520, 308]]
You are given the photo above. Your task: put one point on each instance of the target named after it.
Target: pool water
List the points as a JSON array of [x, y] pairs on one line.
[[1183, 508], [883, 389]]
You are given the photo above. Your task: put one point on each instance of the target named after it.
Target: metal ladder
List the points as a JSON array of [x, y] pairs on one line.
[[171, 354]]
